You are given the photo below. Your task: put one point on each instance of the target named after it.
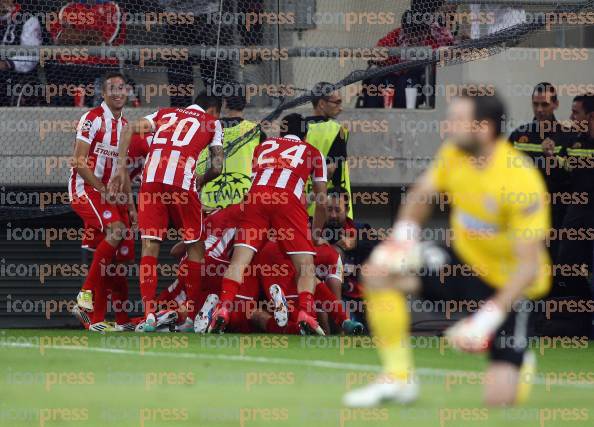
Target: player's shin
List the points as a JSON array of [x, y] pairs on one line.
[[330, 304], [101, 259], [193, 287], [389, 322], [119, 299], [148, 283], [229, 288], [99, 302]]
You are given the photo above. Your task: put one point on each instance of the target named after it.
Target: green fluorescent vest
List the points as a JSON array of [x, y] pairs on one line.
[[321, 135], [235, 180]]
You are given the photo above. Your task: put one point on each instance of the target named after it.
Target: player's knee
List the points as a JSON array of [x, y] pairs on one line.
[[116, 231], [150, 247], [195, 251], [499, 399], [374, 279]]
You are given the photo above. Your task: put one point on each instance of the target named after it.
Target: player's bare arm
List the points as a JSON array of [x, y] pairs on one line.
[[132, 213], [319, 219], [142, 127], [525, 274], [79, 162], [419, 201], [217, 158], [331, 167]]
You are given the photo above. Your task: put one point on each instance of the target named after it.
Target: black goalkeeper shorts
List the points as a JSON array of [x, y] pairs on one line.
[[458, 287]]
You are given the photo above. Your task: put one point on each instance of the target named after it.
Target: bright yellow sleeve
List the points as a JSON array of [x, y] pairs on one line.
[[527, 206], [438, 170]]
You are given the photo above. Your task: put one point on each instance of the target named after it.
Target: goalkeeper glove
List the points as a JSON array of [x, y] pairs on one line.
[[475, 333], [401, 252]]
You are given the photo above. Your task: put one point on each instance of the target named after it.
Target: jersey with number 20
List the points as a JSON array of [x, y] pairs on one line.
[[180, 135]]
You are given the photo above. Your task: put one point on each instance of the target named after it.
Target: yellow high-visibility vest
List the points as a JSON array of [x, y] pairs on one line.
[[321, 135], [235, 180]]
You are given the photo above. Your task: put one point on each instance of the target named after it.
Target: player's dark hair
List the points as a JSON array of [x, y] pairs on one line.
[[206, 101], [293, 124], [111, 75], [489, 108], [236, 102], [321, 90], [340, 192], [588, 103], [543, 88]]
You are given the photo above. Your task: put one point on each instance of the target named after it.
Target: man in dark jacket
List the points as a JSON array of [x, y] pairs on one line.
[[545, 141]]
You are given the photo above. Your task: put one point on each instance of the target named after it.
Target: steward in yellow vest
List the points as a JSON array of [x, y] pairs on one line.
[[330, 137], [235, 180]]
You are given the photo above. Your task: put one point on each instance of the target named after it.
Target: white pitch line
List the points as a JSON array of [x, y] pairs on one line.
[[424, 372]]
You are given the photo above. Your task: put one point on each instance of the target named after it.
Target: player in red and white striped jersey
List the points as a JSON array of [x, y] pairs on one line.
[[219, 229], [93, 164], [118, 282], [169, 184], [282, 274], [275, 202]]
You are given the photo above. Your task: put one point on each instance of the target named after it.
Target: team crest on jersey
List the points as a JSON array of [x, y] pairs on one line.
[[124, 250], [86, 126], [106, 214]]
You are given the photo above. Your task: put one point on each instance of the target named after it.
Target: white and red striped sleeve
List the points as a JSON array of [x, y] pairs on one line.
[[87, 128], [217, 138], [152, 119]]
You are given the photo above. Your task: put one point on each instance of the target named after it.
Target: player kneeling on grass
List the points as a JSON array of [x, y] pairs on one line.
[[277, 279], [499, 219], [169, 185], [275, 203]]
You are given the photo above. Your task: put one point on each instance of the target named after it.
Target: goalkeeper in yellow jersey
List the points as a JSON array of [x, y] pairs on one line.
[[498, 259]]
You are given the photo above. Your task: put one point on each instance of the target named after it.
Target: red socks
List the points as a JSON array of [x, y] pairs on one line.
[[119, 298], [99, 302], [101, 259], [306, 303], [148, 283], [194, 269], [289, 328], [330, 304], [195, 295], [96, 279], [228, 291]]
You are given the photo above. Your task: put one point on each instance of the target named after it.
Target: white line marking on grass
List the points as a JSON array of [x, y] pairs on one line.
[[423, 372]]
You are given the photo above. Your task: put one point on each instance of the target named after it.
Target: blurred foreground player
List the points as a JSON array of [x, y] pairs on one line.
[[169, 185], [498, 233], [276, 203]]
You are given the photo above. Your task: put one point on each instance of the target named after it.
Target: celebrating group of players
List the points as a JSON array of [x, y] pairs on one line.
[[258, 265]]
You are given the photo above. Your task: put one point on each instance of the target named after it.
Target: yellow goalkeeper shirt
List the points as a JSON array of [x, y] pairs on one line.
[[493, 204]]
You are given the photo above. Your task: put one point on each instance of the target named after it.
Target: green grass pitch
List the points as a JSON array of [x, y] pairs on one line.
[[72, 378]]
